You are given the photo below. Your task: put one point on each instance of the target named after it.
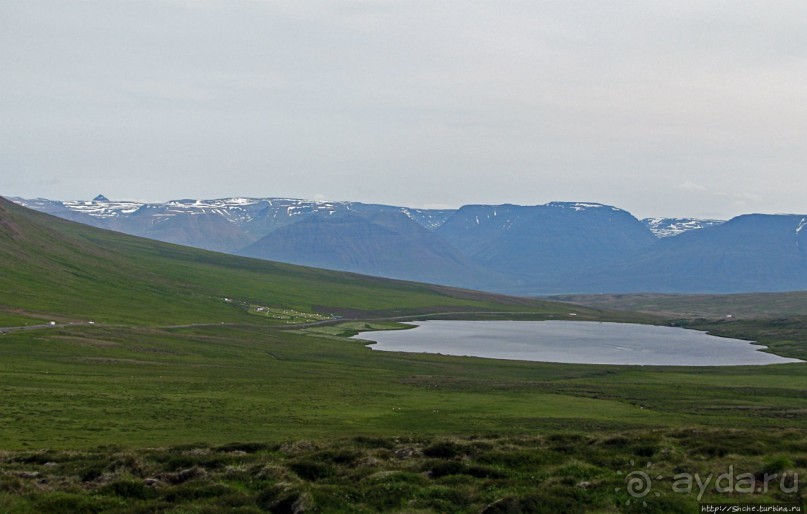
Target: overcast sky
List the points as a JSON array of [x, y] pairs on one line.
[[673, 108]]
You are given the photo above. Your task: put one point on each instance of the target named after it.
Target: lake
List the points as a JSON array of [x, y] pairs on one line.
[[581, 342]]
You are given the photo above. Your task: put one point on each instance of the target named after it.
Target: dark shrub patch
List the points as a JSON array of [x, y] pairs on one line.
[[64, 503], [268, 496], [311, 470], [565, 439], [243, 447], [211, 462], [525, 459], [616, 442], [443, 450], [442, 469], [36, 458], [129, 489], [191, 492], [711, 451], [343, 458], [645, 451], [287, 504], [91, 473], [127, 463], [400, 476], [374, 442], [280, 501], [567, 443], [485, 472], [550, 502]]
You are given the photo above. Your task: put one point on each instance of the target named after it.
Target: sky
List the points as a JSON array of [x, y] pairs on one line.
[[682, 108]]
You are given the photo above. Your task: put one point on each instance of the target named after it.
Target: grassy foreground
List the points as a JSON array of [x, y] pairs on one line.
[[249, 419], [80, 387], [550, 473]]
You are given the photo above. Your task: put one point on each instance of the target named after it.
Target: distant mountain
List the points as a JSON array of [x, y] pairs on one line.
[[668, 227], [535, 244], [225, 225], [560, 247], [749, 253], [382, 243], [430, 219], [210, 231]]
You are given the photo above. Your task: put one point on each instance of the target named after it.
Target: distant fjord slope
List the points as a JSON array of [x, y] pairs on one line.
[[50, 266], [388, 244], [749, 253], [536, 244], [556, 248]]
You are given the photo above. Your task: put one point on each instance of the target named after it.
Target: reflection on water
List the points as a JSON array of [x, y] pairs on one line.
[[573, 342]]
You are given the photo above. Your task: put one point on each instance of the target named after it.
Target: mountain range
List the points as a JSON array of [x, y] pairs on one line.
[[559, 247]]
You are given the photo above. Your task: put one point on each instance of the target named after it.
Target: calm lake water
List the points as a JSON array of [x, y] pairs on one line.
[[580, 342]]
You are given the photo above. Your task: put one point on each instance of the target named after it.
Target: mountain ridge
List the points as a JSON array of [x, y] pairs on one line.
[[749, 253], [555, 248], [362, 243]]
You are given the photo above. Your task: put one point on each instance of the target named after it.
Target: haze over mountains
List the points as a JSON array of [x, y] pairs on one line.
[[560, 247]]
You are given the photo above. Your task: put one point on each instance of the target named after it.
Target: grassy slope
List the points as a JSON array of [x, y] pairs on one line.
[[83, 386]]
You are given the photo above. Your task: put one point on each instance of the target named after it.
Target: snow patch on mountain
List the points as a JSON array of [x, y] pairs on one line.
[[102, 208], [802, 224], [670, 227], [576, 206], [431, 219], [241, 211], [582, 206]]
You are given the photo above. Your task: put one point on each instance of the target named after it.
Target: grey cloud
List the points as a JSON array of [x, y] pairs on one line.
[[409, 102]]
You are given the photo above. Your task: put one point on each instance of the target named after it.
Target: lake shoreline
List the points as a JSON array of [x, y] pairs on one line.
[[574, 342]]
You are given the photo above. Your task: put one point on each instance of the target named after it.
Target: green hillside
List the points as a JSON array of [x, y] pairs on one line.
[[56, 268]]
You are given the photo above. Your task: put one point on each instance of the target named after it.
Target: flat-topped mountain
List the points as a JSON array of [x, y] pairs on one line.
[[537, 243], [749, 253], [560, 247], [385, 243], [225, 224]]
